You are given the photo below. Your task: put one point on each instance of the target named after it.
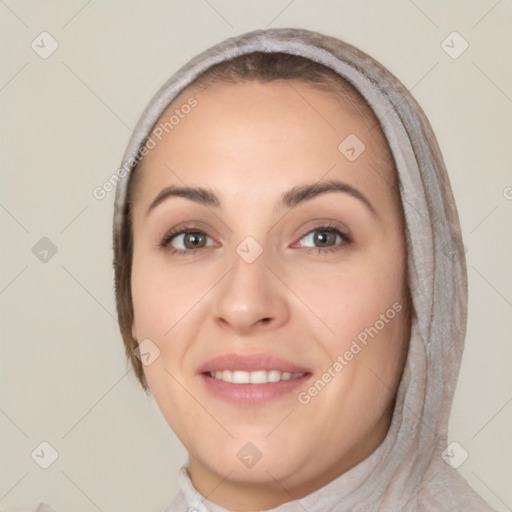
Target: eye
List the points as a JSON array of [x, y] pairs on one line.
[[186, 240], [328, 238]]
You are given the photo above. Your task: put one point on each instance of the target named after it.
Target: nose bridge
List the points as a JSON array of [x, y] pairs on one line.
[[250, 295]]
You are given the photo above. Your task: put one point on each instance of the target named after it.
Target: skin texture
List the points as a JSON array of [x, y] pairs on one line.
[[250, 143]]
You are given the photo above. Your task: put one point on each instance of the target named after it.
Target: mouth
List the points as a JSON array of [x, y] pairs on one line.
[[250, 380], [257, 377]]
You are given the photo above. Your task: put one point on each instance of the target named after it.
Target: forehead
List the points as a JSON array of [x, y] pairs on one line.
[[252, 134]]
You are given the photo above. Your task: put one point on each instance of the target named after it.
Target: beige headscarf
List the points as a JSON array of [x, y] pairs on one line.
[[407, 472]]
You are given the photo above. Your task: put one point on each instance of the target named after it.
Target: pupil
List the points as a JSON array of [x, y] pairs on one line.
[[193, 237], [322, 238]]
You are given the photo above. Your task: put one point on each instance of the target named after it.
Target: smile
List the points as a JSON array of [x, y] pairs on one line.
[[251, 379], [255, 377]]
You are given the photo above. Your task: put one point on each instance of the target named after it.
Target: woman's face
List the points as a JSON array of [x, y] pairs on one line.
[[275, 278]]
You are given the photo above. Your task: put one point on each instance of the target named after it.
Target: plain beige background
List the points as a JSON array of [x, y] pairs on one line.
[[66, 120]]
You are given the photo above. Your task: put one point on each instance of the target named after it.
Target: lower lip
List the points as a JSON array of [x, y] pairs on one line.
[[251, 394]]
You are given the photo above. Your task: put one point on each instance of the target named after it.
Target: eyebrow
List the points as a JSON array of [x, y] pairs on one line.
[[289, 199]]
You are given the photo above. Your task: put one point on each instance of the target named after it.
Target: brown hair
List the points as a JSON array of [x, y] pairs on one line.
[[257, 66]]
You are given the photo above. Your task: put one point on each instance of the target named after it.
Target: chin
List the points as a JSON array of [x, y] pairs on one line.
[[258, 461]]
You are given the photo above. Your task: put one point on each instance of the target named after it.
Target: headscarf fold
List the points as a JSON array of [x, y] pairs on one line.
[[407, 471]]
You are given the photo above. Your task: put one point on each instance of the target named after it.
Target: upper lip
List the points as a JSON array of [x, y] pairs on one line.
[[249, 363]]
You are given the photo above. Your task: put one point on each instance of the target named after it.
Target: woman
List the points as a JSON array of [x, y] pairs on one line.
[[290, 282]]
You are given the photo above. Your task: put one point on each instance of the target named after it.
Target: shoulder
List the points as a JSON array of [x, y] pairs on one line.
[[446, 489]]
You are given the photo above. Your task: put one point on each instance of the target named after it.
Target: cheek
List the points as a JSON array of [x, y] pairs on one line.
[[151, 302], [365, 308], [163, 301], [157, 308], [163, 295], [170, 304], [350, 301]]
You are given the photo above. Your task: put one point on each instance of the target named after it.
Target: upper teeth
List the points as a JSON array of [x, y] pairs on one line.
[[258, 377]]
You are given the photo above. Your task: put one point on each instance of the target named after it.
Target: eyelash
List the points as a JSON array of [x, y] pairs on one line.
[[164, 244]]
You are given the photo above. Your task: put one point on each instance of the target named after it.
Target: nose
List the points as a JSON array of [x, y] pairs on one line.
[[251, 297]]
